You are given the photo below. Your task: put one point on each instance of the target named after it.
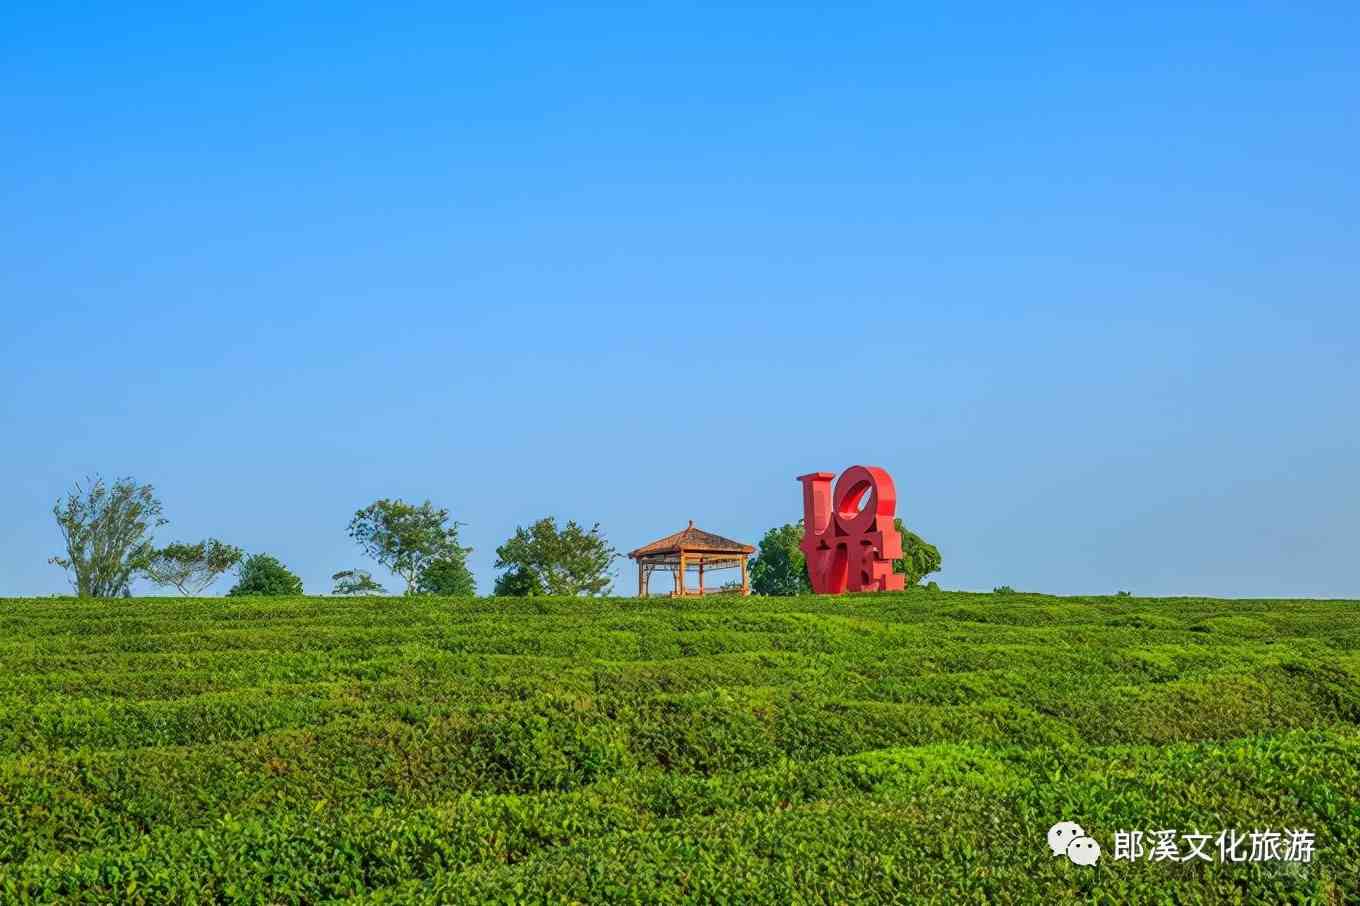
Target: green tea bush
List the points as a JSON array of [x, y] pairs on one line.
[[910, 747]]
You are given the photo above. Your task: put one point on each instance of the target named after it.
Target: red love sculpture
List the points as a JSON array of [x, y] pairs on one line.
[[850, 541]]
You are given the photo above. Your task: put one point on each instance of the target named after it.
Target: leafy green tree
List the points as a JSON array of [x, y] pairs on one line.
[[262, 574], [920, 558], [407, 538], [518, 583], [107, 530], [448, 577], [572, 561], [780, 567], [356, 582], [191, 567]]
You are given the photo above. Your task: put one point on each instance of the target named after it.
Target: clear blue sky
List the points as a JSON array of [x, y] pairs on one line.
[[1085, 279]]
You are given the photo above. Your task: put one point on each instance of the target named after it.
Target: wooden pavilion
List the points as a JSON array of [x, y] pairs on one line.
[[692, 550]]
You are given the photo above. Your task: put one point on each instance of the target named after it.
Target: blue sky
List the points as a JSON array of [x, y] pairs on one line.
[[1084, 280]]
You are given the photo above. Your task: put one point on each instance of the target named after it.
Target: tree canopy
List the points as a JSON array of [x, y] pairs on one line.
[[571, 561], [920, 558], [190, 567], [518, 582], [447, 577], [107, 530], [407, 538], [356, 582], [262, 574], [780, 567]]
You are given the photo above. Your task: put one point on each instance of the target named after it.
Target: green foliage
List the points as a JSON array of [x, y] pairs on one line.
[[447, 577], [571, 561], [262, 574], [780, 567], [107, 530], [406, 538], [356, 582], [1003, 590], [518, 582], [1123, 594], [888, 748], [920, 558], [191, 568]]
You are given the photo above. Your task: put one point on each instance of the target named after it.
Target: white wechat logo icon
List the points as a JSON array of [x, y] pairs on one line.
[[1063, 833], [1068, 838], [1083, 851]]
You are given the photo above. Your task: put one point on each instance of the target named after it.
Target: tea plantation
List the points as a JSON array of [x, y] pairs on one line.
[[898, 748]]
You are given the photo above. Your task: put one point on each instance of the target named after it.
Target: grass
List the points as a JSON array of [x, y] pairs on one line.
[[895, 748]]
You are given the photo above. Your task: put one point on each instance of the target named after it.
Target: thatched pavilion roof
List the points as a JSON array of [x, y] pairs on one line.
[[692, 539]]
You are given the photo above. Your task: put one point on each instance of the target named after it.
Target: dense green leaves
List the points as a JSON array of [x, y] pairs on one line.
[[889, 748], [543, 559], [449, 577], [780, 567], [518, 582], [263, 574], [920, 558]]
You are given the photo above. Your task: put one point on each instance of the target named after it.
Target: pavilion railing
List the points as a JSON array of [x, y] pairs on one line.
[[694, 592]]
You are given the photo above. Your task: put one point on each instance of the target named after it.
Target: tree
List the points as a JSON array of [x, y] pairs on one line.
[[107, 530], [780, 567], [572, 561], [356, 582], [262, 574], [407, 538], [447, 577], [191, 567], [518, 583], [920, 558]]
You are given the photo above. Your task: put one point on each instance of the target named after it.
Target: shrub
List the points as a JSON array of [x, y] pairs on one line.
[[780, 566], [518, 583], [262, 574], [449, 577]]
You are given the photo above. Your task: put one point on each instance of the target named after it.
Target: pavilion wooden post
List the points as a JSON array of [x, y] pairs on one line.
[[642, 579], [680, 577], [745, 579], [701, 577]]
